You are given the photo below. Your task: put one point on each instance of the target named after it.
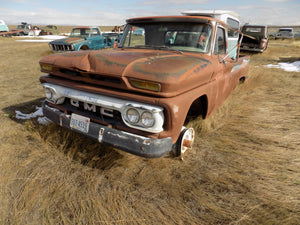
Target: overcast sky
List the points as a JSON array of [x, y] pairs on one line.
[[115, 12]]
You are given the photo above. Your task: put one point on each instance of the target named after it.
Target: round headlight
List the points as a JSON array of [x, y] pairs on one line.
[[133, 115], [147, 119], [48, 93]]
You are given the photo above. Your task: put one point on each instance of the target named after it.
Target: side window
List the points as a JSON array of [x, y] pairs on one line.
[[220, 42], [135, 36], [95, 32], [235, 25]]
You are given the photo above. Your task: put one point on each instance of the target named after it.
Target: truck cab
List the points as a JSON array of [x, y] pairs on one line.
[[140, 96], [230, 18]]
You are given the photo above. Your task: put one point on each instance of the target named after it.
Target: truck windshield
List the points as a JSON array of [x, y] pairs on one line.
[[254, 31], [80, 32], [194, 37]]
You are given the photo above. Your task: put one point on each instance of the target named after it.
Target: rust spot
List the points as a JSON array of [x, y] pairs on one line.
[[170, 65], [187, 143]]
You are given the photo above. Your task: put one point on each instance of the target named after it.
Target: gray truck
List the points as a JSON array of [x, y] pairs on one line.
[[285, 33]]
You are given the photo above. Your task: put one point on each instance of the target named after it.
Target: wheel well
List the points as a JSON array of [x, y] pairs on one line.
[[84, 47], [198, 108], [242, 80]]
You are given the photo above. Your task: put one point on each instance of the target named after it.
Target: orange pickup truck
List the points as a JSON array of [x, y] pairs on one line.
[[138, 96]]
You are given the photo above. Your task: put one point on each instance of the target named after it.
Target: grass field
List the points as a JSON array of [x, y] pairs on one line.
[[244, 167]]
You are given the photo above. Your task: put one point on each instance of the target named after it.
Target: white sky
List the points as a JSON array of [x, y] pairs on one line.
[[103, 13]]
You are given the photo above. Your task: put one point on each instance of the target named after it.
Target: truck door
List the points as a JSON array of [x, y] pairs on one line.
[[222, 77], [96, 40]]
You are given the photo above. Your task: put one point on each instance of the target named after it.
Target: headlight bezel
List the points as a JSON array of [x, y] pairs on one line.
[[156, 113], [52, 95]]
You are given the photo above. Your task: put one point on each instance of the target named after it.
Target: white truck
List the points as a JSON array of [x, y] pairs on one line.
[[3, 27]]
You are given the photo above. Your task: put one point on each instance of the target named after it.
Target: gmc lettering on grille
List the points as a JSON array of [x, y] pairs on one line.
[[92, 108]]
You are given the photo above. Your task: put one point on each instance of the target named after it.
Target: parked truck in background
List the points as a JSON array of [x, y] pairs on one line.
[[255, 38], [49, 30], [285, 33], [22, 29], [28, 29], [84, 38], [140, 96]]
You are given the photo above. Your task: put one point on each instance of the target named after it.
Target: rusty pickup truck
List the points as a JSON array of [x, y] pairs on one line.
[[139, 96]]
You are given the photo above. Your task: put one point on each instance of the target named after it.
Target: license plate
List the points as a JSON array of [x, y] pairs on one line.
[[80, 123]]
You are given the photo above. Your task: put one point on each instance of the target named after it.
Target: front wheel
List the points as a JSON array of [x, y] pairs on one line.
[[184, 142]]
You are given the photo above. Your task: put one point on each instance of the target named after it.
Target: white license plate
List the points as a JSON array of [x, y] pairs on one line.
[[80, 123]]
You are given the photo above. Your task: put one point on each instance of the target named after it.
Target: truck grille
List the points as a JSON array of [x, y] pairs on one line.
[[102, 78], [62, 47], [94, 112]]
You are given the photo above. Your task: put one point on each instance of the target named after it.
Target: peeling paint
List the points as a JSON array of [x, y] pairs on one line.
[[175, 109]]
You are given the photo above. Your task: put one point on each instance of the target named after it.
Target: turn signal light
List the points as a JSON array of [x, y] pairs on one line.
[[46, 67], [146, 85]]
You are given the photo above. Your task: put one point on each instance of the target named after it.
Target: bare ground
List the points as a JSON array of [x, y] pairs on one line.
[[244, 168]]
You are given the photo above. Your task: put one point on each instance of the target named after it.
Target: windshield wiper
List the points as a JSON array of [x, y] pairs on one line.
[[143, 46], [168, 48], [158, 47]]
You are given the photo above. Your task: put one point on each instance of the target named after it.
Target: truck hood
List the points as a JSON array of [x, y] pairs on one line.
[[69, 40], [174, 71]]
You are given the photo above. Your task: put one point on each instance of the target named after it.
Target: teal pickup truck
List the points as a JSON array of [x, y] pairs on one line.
[[84, 38]]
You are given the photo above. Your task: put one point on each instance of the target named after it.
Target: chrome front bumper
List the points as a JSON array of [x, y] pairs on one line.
[[131, 143]]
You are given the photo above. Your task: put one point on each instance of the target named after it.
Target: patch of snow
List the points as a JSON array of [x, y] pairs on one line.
[[38, 113], [44, 120], [34, 40], [290, 67], [52, 37], [42, 38]]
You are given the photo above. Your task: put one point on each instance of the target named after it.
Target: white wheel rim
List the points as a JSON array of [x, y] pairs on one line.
[[187, 140]]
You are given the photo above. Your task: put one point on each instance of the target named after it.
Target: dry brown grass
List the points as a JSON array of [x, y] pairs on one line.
[[244, 168]]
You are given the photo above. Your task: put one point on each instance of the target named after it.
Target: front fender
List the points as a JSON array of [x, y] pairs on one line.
[[78, 46]]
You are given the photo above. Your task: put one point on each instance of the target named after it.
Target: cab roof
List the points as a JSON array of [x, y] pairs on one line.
[[154, 19], [217, 14]]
